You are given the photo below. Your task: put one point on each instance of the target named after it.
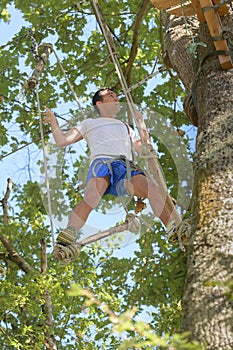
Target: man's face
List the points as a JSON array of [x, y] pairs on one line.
[[109, 106]]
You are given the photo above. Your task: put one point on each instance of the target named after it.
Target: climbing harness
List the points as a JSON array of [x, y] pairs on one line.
[[130, 165]]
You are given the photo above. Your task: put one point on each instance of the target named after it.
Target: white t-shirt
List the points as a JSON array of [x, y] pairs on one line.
[[107, 137]]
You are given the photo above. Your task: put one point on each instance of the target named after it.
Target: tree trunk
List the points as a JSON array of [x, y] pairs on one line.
[[208, 310]]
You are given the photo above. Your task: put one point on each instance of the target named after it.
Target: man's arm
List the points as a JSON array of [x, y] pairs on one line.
[[62, 139], [137, 146], [144, 136]]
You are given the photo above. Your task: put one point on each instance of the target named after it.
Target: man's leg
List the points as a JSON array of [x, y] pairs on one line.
[[64, 249], [96, 187], [139, 185]]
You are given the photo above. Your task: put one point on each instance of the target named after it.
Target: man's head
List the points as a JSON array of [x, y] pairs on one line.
[[106, 102]]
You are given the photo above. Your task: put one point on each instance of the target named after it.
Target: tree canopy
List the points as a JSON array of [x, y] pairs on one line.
[[98, 301]]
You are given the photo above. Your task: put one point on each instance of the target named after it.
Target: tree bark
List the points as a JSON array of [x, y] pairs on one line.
[[208, 310]]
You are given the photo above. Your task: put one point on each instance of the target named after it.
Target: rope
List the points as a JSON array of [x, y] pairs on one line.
[[113, 54], [148, 77], [34, 48], [45, 166], [66, 254], [68, 81], [125, 89]]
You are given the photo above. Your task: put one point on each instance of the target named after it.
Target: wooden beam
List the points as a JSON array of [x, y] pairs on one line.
[[174, 7], [197, 8], [180, 10], [216, 31], [165, 4]]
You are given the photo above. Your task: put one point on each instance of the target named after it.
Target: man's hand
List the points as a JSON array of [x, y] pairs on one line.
[[49, 116], [141, 127], [62, 139]]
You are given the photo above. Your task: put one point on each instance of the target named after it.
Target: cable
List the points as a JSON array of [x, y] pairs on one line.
[[45, 166], [148, 77], [68, 81]]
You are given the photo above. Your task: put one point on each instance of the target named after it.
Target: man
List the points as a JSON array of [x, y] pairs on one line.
[[111, 170]]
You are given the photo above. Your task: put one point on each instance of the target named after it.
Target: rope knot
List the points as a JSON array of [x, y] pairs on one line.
[[65, 254], [147, 151], [133, 223], [180, 234]]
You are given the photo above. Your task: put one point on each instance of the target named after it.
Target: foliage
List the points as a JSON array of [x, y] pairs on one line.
[[152, 277]]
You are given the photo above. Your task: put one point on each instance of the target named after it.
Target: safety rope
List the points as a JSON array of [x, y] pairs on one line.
[[113, 54], [33, 84], [148, 77], [217, 6], [45, 167], [68, 81], [68, 253]]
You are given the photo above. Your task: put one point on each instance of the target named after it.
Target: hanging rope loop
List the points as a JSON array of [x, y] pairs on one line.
[[147, 151], [133, 224]]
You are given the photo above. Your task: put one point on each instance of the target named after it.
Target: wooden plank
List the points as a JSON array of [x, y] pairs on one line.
[[165, 4], [215, 27], [174, 7], [197, 8], [186, 9]]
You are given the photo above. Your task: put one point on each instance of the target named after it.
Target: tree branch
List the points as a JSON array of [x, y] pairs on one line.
[[4, 201], [12, 254], [47, 306], [134, 48]]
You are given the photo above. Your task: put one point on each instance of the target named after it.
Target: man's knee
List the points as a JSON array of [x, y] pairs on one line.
[[96, 188], [142, 186], [139, 185]]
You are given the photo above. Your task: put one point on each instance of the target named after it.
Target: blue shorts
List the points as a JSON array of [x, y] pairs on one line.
[[117, 171]]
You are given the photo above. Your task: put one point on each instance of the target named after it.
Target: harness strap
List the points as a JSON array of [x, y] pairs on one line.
[[131, 142], [129, 164]]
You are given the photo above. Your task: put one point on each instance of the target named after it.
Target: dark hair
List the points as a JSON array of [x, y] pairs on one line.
[[98, 96]]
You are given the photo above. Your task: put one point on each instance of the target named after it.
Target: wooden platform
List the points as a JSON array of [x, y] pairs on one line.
[[187, 7], [206, 13]]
